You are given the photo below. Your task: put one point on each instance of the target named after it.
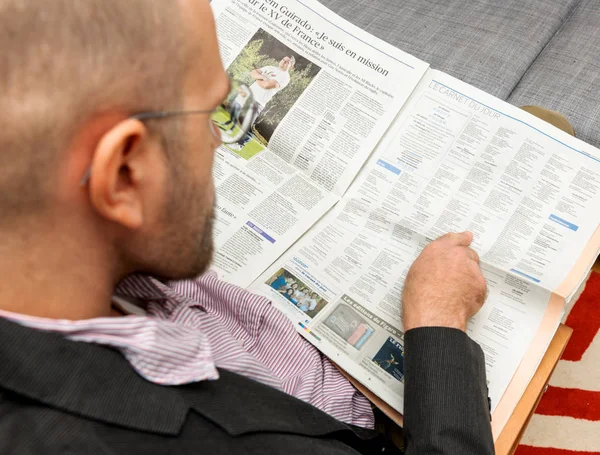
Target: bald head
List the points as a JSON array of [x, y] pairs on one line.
[[62, 63], [72, 75]]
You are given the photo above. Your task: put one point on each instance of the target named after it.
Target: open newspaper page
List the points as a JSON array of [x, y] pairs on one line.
[[334, 92], [456, 159], [527, 190]]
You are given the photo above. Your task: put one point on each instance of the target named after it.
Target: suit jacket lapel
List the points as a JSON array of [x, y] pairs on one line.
[[89, 380], [240, 405], [97, 382]]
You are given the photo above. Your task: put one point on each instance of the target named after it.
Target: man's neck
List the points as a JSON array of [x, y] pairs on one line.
[[53, 282]]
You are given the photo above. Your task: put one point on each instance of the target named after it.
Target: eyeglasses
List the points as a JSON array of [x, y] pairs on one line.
[[233, 117]]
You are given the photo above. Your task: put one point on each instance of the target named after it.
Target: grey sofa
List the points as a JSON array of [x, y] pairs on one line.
[[544, 52]]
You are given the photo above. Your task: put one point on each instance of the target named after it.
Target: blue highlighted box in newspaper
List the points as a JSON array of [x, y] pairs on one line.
[[563, 222], [258, 230], [388, 166], [524, 275]]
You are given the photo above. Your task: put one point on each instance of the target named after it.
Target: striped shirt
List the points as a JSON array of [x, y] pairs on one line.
[[191, 327]]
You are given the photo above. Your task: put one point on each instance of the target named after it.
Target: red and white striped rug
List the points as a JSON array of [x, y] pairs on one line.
[[567, 420]]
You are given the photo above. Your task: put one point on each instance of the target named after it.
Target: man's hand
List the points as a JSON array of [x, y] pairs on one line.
[[444, 286]]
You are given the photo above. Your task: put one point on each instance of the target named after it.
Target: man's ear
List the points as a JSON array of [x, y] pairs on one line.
[[121, 160]]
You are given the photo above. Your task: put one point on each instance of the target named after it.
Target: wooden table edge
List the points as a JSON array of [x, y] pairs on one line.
[[511, 435]]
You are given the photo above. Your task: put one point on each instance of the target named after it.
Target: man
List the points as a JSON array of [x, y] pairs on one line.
[[301, 294], [268, 81], [278, 282], [98, 186], [235, 109], [310, 302], [289, 282]]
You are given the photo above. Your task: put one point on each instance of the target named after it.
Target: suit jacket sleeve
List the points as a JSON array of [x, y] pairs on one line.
[[446, 408]]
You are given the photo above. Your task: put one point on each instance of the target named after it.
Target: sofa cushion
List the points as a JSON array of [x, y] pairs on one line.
[[487, 43], [566, 76]]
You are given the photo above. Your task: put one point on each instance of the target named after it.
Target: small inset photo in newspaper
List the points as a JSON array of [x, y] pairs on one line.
[[275, 76], [390, 358], [297, 292], [349, 325]]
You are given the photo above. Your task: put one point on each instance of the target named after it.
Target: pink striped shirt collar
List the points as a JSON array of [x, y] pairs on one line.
[[161, 351], [193, 326]]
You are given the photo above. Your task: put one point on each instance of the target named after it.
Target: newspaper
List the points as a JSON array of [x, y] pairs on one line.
[[376, 156], [312, 135]]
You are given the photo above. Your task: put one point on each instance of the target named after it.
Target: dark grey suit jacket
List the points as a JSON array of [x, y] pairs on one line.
[[59, 396]]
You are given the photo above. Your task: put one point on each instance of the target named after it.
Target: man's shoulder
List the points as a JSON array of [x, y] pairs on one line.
[[28, 427], [57, 392], [31, 427]]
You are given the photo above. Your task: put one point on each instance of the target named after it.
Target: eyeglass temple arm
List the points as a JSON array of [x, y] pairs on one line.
[[146, 116]]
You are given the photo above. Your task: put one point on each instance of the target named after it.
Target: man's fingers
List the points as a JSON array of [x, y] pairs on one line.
[[473, 254], [458, 238], [465, 238]]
